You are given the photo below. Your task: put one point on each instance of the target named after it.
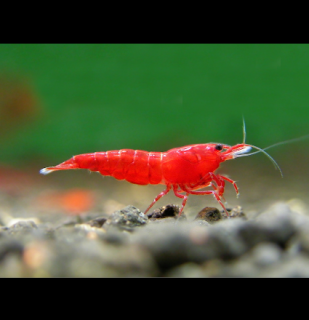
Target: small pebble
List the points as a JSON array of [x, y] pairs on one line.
[[209, 214], [127, 218], [168, 211], [235, 212]]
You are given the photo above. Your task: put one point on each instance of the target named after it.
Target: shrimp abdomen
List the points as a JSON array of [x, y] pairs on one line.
[[135, 166]]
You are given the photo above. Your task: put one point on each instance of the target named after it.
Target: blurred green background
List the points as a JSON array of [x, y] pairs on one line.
[[57, 100]]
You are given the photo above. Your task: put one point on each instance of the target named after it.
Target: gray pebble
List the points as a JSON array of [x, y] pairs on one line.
[[127, 218]]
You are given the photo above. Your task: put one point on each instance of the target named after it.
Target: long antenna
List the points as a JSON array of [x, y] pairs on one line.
[[273, 145], [288, 141], [262, 150], [282, 142]]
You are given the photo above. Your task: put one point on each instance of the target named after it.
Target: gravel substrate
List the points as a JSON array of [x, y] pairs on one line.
[[127, 243]]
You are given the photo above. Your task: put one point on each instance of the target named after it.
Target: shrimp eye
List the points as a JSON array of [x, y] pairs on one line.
[[219, 147]]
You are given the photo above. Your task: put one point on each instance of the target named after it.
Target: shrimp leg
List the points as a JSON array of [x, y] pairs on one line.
[[215, 193], [159, 196], [232, 182], [182, 196]]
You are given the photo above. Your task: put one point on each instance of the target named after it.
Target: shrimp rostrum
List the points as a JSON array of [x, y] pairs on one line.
[[184, 170]]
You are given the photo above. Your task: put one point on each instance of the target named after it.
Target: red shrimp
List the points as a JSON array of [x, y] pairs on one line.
[[185, 170]]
